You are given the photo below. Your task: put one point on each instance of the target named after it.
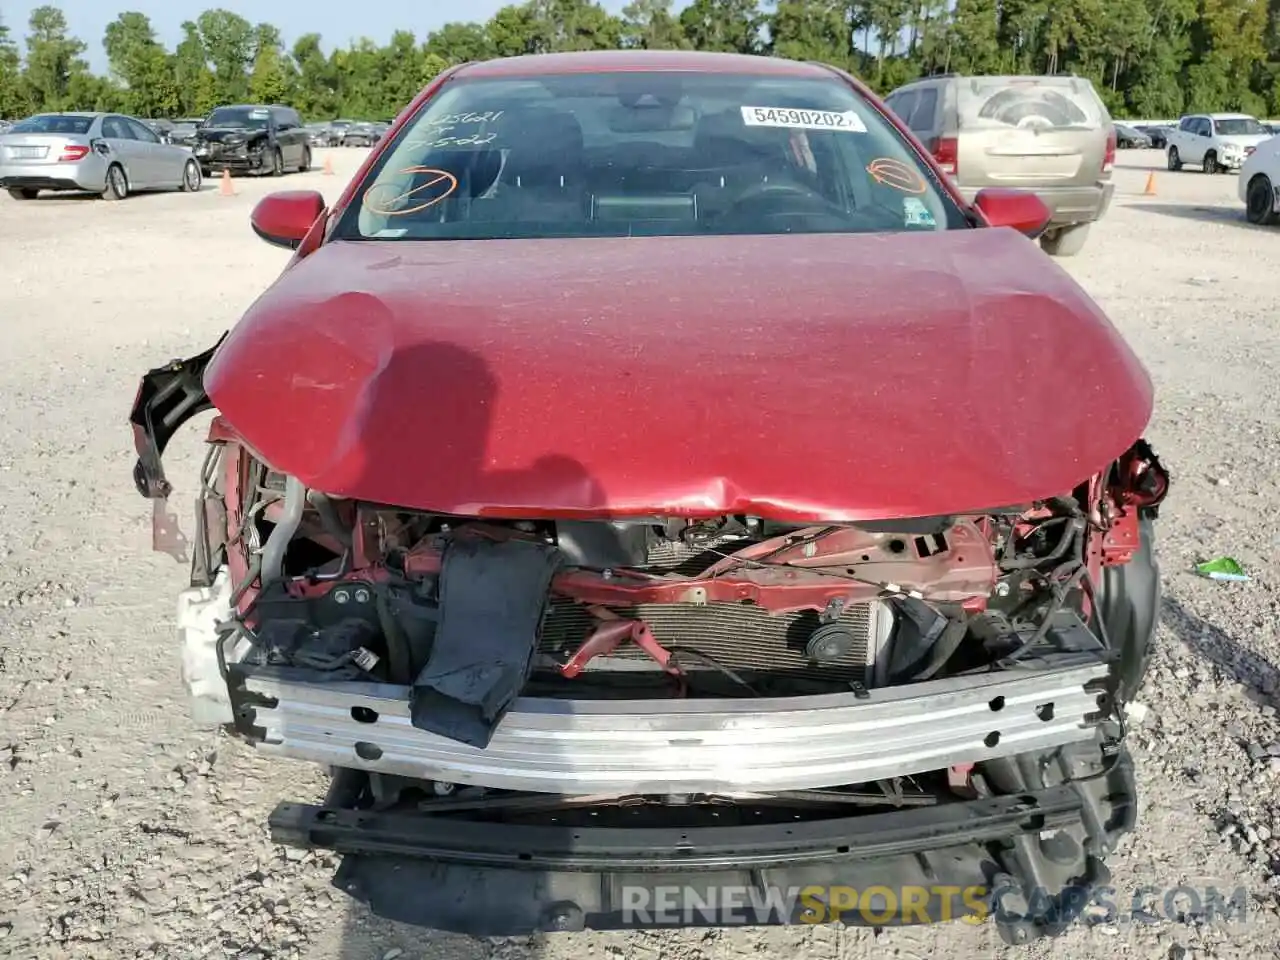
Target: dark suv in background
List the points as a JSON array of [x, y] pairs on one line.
[[253, 139]]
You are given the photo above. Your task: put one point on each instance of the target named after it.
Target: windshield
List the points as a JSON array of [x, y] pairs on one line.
[[53, 123], [653, 154], [243, 118], [1239, 126]]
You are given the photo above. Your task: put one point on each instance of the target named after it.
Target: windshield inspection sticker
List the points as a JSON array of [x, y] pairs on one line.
[[916, 214], [793, 119]]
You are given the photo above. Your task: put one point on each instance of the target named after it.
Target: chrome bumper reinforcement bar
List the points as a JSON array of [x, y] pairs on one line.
[[690, 746]]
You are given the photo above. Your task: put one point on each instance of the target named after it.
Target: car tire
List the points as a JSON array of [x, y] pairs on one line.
[[306, 160], [1175, 161], [1065, 241], [1260, 202], [192, 177], [23, 193], [1210, 164], [117, 184]]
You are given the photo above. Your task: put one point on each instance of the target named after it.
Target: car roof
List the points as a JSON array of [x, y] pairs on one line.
[[73, 113], [963, 77], [622, 61]]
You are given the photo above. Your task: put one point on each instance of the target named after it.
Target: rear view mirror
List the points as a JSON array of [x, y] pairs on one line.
[[655, 118], [283, 219], [1020, 209]]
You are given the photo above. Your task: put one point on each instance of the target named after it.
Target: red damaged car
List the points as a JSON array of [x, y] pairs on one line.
[[651, 474]]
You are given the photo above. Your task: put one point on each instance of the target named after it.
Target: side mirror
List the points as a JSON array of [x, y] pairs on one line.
[[1020, 209], [283, 219]]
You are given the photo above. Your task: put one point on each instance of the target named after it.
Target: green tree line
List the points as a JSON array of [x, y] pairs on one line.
[[1146, 57]]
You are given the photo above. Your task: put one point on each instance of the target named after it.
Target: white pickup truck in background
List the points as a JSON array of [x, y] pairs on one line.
[[1215, 142]]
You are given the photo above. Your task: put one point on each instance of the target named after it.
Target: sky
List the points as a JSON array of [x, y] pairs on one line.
[[338, 21]]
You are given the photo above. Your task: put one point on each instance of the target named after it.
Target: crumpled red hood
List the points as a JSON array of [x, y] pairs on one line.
[[809, 377]]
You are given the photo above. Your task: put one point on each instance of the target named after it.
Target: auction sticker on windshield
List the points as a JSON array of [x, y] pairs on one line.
[[794, 119]]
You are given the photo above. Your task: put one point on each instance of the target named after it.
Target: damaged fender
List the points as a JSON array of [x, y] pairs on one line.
[[167, 397]]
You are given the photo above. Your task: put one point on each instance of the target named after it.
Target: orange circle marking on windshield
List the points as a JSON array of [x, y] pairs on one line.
[[896, 174], [444, 183]]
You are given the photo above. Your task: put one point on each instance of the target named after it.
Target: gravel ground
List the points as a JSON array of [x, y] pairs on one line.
[[126, 832]]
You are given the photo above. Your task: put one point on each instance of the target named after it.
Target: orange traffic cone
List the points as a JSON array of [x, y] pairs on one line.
[[1151, 186], [328, 166], [226, 189]]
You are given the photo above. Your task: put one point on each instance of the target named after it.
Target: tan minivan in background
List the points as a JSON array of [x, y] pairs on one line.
[[1051, 135]]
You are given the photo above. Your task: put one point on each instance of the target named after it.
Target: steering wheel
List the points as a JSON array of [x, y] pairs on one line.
[[782, 199], [766, 192]]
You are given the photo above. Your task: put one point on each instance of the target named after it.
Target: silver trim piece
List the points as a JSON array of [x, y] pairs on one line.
[[692, 746], [295, 503]]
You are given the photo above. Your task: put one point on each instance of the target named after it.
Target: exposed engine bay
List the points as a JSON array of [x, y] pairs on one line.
[[471, 614]]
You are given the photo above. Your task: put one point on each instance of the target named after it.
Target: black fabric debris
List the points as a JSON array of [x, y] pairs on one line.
[[493, 597]]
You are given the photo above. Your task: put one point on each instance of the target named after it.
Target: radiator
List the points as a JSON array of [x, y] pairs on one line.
[[741, 637]]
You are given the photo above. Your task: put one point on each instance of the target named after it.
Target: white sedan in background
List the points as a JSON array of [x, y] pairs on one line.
[[102, 153], [1259, 184]]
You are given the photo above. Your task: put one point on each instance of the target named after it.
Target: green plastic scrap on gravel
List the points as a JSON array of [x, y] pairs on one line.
[[1223, 568]]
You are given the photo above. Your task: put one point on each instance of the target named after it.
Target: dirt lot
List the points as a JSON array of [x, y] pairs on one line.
[[125, 832]]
